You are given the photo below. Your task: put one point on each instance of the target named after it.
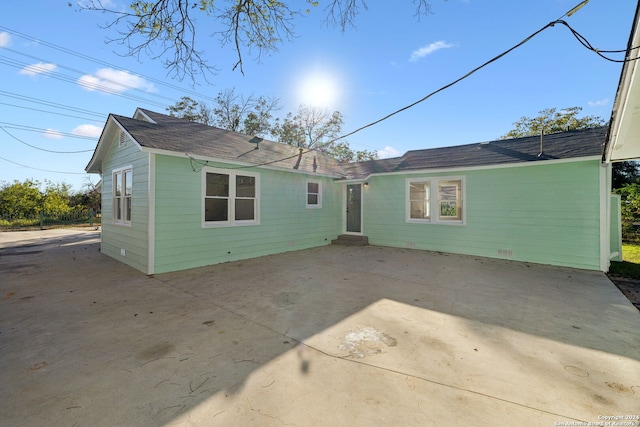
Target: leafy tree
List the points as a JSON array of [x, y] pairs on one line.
[[629, 208], [56, 198], [625, 173], [315, 128], [88, 198], [552, 120], [20, 199], [168, 27]]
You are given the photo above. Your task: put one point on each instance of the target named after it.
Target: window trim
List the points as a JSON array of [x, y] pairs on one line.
[[434, 200], [317, 205], [120, 201], [231, 221]]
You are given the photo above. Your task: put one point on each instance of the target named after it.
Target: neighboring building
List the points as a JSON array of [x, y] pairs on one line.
[[178, 194]]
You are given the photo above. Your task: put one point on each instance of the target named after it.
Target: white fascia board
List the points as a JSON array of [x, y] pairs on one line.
[[478, 168], [623, 140], [221, 162]]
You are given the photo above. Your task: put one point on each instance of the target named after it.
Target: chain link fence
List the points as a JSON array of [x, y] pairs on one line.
[[42, 221]]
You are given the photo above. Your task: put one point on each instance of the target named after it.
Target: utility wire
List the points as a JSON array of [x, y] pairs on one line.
[[34, 129], [42, 149], [43, 170], [101, 62], [86, 84], [578, 36], [47, 112], [82, 73], [52, 104]]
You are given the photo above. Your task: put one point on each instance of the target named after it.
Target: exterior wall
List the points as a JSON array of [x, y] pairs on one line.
[[544, 213], [616, 229], [286, 224], [132, 239]]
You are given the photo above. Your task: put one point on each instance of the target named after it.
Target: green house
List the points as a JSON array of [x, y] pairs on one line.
[[178, 195]]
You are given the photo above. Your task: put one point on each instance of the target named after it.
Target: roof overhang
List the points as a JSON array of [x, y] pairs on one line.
[[109, 133], [623, 140]]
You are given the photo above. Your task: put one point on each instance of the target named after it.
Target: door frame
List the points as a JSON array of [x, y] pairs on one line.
[[344, 208]]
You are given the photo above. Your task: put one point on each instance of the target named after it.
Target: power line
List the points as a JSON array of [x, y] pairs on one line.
[[43, 170], [580, 38], [110, 81], [90, 85], [47, 112], [101, 62], [35, 129], [52, 104], [42, 149]]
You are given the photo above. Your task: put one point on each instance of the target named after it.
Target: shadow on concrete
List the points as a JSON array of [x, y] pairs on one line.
[[82, 334]]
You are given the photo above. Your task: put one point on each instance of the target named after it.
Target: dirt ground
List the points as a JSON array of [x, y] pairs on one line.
[[629, 287]]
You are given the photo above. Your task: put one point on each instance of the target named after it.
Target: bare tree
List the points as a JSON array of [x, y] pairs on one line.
[[250, 115], [231, 111], [315, 128], [167, 28]]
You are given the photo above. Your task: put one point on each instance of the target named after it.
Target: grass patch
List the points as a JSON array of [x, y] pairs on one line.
[[630, 265]]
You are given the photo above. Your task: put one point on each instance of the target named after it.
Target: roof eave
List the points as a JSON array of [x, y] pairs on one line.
[[621, 114]]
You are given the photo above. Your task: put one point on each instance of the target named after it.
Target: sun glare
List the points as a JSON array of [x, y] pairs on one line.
[[319, 90]]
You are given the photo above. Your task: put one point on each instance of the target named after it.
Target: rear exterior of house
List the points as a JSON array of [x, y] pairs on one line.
[[548, 213], [178, 195], [162, 209], [278, 218]]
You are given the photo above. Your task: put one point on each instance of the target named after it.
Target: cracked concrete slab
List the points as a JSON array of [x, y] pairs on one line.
[[327, 336]]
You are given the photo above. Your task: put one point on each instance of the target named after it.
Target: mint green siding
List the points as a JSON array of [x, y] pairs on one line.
[[547, 213], [132, 239], [286, 224]]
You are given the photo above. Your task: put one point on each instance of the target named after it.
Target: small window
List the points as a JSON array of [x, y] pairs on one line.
[[314, 194], [422, 205], [230, 198], [122, 196], [122, 139]]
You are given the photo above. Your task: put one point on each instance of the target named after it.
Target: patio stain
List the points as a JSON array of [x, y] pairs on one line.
[[621, 388], [366, 342]]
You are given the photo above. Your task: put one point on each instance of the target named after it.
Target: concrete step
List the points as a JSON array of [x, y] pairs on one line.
[[350, 240]]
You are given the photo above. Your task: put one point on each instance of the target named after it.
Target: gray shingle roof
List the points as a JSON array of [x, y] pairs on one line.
[[563, 145], [183, 136]]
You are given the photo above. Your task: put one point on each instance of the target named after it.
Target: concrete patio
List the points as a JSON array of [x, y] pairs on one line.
[[337, 336]]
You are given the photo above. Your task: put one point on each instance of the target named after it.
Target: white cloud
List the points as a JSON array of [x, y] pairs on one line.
[[600, 103], [388, 152], [114, 81], [430, 48], [5, 38], [89, 3], [53, 134], [39, 68], [87, 130]]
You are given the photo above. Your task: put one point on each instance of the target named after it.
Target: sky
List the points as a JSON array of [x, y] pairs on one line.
[[57, 70]]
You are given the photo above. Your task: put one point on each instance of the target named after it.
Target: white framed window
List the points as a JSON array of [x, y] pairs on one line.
[[122, 195], [230, 197], [314, 194], [435, 200], [420, 200]]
